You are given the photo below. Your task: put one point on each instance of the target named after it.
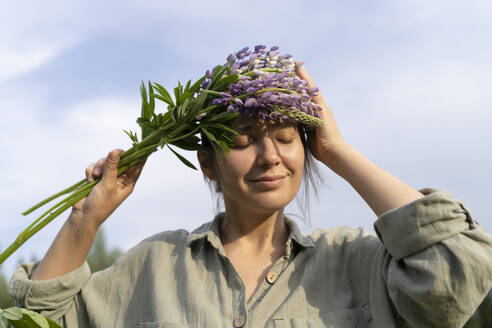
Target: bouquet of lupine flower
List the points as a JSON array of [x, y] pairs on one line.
[[259, 83]]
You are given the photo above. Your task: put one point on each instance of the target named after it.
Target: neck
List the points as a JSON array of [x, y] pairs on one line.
[[253, 230]]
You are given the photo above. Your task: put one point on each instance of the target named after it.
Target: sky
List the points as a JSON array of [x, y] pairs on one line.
[[408, 82]]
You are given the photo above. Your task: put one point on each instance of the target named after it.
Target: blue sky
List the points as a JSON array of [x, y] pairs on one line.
[[408, 82]]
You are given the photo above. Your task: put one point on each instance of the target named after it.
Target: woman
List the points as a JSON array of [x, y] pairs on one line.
[[251, 267]]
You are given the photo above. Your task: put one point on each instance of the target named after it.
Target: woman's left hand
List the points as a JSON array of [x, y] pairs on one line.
[[325, 140]]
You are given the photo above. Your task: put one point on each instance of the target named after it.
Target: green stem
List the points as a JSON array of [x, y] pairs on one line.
[[139, 155], [49, 199], [65, 200], [194, 131], [23, 237]]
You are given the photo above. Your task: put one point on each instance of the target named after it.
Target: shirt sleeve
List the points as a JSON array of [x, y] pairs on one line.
[[57, 298], [436, 264]]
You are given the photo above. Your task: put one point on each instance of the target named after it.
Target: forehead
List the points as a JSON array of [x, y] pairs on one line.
[[245, 124]]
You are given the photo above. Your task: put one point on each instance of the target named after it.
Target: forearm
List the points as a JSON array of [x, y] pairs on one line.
[[381, 191], [68, 251]]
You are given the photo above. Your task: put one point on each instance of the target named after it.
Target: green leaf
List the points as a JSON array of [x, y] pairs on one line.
[[177, 93], [210, 136], [37, 318], [182, 108], [162, 142], [188, 143], [161, 98], [182, 159], [198, 104], [225, 82], [132, 136], [53, 324], [12, 313], [218, 73], [222, 117], [196, 86], [3, 322], [143, 93], [151, 102], [187, 87], [222, 127], [166, 97]]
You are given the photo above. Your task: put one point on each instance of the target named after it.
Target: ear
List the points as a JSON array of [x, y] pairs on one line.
[[207, 163]]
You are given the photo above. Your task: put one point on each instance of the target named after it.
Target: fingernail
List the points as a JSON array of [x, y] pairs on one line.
[[113, 156], [97, 171]]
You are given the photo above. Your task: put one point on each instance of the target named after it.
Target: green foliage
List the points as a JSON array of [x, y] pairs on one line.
[[5, 299], [22, 318]]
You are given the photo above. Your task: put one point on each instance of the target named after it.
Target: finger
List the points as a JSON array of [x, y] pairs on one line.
[[98, 169], [131, 175], [88, 172], [110, 170], [303, 74]]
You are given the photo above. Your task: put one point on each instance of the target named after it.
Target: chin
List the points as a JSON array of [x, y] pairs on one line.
[[268, 204]]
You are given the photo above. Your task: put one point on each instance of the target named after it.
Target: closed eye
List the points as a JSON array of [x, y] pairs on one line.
[[285, 140]]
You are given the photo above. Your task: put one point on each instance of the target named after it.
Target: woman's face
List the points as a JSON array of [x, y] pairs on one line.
[[263, 171]]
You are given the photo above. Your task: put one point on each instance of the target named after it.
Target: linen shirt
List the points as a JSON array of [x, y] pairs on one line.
[[430, 265]]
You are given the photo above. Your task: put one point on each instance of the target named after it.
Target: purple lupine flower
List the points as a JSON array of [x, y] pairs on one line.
[[238, 101], [250, 66], [250, 102]]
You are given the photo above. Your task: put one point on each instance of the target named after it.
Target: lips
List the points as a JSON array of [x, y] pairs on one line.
[[268, 178], [268, 182]]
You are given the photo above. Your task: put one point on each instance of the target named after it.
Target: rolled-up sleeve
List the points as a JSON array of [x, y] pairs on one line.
[[55, 297], [436, 263]]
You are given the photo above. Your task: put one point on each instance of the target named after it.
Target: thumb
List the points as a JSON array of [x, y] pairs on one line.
[[110, 172]]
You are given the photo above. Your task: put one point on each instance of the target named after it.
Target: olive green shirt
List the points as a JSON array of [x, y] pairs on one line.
[[431, 266]]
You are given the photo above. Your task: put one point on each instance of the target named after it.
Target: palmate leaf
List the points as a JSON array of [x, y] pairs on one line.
[[147, 112], [190, 143], [197, 104], [182, 159], [224, 83], [177, 94], [132, 135], [218, 73], [222, 117], [164, 94], [221, 126], [196, 86]]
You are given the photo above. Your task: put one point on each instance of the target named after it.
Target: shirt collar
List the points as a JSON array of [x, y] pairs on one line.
[[210, 232]]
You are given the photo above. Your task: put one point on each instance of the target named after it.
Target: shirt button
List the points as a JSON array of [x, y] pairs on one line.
[[239, 321], [271, 277]]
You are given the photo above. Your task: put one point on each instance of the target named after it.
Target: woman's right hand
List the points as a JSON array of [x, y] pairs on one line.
[[109, 193]]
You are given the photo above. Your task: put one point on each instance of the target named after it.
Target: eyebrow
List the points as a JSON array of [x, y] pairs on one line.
[[245, 128]]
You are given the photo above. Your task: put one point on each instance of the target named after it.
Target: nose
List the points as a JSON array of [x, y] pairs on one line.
[[268, 152]]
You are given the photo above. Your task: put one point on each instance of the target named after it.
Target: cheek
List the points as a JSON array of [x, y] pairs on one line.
[[234, 166], [293, 159]]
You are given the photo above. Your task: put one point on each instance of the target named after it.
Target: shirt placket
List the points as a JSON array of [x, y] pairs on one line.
[[269, 281]]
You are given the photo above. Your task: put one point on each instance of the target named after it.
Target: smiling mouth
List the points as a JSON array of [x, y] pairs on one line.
[[268, 182]]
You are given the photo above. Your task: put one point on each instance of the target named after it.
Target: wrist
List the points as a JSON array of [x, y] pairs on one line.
[[333, 155], [81, 225]]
